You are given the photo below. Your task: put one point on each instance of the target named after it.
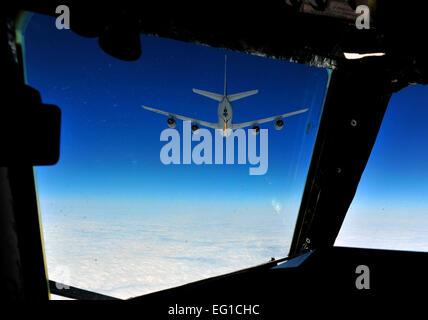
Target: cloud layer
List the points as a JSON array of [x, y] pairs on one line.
[[126, 257]]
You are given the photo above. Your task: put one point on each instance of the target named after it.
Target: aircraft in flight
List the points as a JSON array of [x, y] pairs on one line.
[[225, 112]]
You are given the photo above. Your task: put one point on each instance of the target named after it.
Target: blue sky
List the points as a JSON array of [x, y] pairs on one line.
[[110, 146]]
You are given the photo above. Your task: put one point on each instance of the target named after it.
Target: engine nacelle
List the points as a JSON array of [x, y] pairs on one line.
[[195, 129], [171, 123], [256, 130], [279, 124]]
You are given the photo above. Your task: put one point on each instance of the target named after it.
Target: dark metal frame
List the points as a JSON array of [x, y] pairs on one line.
[[357, 98]]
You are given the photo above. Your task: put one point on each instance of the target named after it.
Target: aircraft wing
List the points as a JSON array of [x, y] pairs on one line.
[[172, 115], [256, 122]]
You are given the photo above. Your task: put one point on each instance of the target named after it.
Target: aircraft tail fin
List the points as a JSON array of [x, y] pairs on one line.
[[220, 97], [237, 96], [211, 95]]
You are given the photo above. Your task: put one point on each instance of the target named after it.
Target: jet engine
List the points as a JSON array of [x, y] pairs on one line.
[[256, 130], [279, 124], [171, 123], [195, 129]]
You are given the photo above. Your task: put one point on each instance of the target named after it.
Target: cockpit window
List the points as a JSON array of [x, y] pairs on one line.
[[142, 200], [390, 208]]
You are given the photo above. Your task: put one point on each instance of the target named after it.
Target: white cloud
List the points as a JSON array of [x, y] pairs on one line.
[[390, 229], [130, 257]]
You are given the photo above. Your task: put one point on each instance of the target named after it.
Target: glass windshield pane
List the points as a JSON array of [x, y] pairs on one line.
[[390, 208], [120, 221]]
